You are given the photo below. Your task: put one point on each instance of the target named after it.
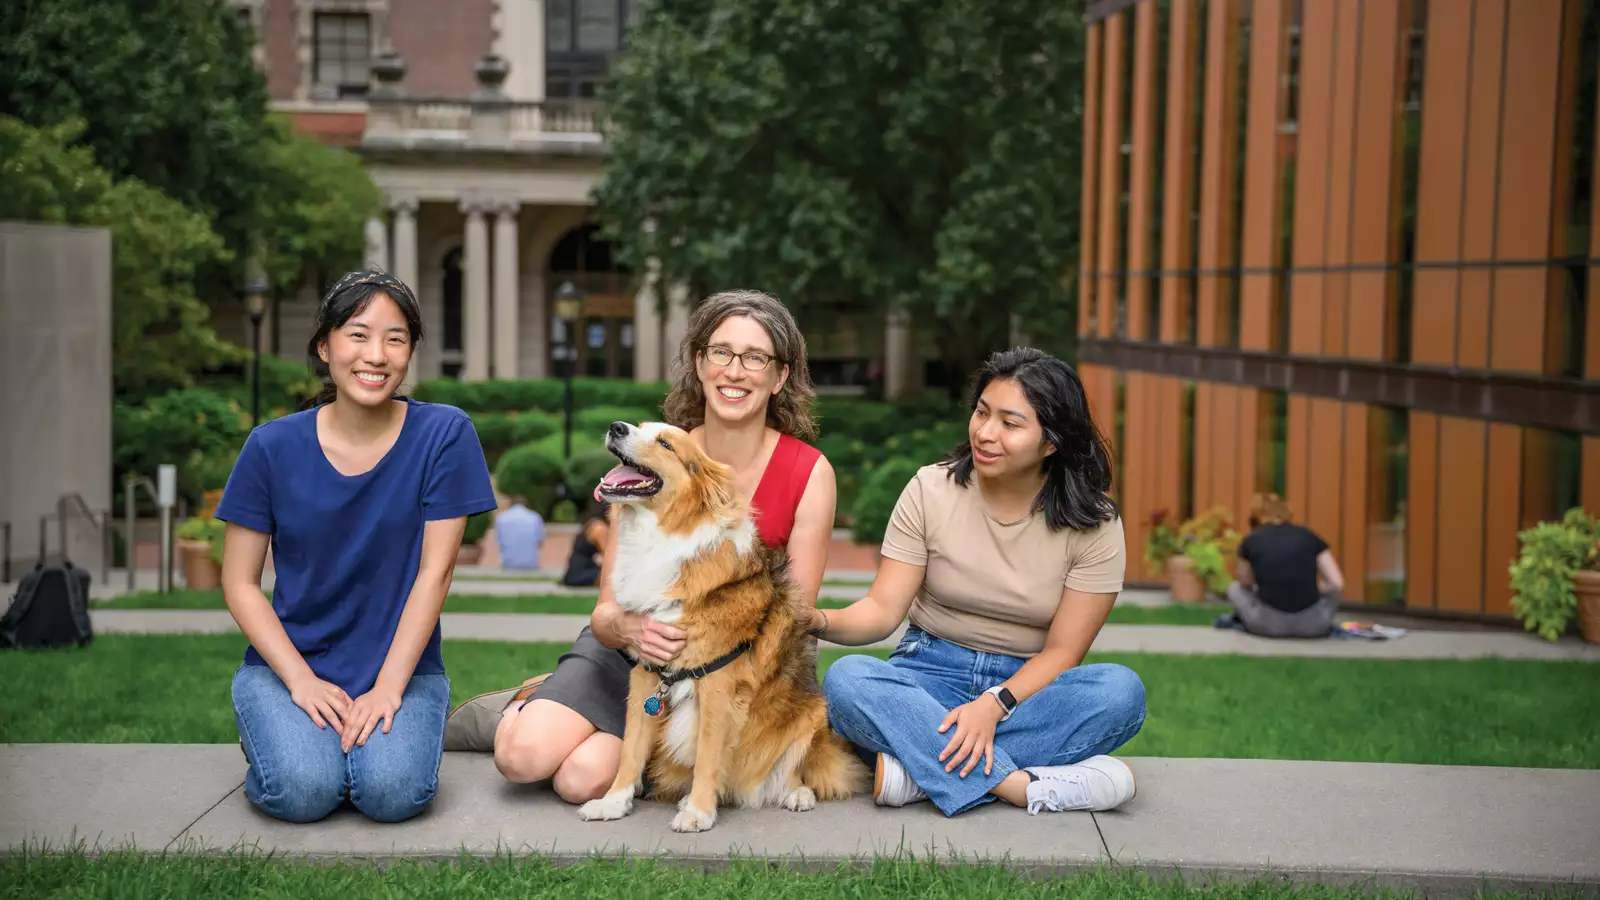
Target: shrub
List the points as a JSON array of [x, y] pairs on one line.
[[879, 492], [209, 531], [477, 526], [531, 472], [544, 394], [499, 432], [584, 471], [1541, 577], [595, 420], [200, 431]]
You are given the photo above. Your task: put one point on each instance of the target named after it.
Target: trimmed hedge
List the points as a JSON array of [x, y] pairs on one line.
[[544, 394]]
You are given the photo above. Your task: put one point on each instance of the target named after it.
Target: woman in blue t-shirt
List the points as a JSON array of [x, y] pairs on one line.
[[363, 497]]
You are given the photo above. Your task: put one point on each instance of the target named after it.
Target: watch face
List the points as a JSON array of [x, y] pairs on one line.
[[1007, 698]]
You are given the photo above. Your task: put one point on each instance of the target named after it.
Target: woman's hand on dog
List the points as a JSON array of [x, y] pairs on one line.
[[366, 711], [323, 701], [974, 735], [654, 642]]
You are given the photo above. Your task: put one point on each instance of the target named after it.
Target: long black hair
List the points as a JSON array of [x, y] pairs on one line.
[[348, 296], [1078, 474]]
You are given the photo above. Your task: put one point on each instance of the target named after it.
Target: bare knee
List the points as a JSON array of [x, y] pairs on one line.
[[587, 774], [529, 747]]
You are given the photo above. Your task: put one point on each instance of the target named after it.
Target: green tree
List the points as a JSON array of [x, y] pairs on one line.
[[161, 331], [166, 89], [317, 201], [903, 152]]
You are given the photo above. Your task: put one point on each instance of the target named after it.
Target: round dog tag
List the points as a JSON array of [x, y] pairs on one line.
[[652, 706]]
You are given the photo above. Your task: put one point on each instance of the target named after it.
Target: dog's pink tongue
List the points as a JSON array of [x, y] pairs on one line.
[[621, 476]]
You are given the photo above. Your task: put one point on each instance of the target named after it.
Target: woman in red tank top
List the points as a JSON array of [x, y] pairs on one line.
[[742, 390]]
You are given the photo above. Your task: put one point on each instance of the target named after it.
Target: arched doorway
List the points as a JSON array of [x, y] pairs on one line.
[[605, 332], [450, 357]]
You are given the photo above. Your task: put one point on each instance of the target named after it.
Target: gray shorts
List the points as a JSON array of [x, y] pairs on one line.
[[591, 679]]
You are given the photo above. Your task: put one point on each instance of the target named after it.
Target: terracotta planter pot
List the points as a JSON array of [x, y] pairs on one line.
[[1186, 585], [469, 555], [1586, 586], [200, 571]]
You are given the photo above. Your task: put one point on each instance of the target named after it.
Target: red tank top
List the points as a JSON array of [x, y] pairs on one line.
[[782, 485]]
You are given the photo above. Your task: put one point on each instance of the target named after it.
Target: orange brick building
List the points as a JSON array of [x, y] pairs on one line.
[[1346, 250]]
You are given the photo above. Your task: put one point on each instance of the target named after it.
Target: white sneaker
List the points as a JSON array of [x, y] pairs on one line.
[[1098, 783], [891, 786]]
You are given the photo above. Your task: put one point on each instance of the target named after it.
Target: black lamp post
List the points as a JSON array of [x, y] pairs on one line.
[[255, 303], [569, 309]]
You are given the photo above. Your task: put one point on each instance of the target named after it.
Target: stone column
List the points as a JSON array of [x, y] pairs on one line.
[[405, 242], [377, 244], [506, 290], [475, 291], [677, 325], [897, 359], [647, 362]]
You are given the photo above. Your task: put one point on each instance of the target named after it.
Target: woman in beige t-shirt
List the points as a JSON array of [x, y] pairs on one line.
[[1007, 556]]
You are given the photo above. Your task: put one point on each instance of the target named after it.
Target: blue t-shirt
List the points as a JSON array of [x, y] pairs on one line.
[[346, 549]]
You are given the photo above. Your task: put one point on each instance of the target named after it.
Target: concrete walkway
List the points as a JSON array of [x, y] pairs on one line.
[[1442, 829], [1204, 640]]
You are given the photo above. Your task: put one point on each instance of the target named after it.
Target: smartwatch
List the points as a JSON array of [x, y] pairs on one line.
[[1007, 701]]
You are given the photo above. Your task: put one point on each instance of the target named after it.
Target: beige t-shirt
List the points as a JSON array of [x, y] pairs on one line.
[[990, 585]]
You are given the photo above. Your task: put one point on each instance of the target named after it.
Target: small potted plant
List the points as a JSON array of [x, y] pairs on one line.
[[1194, 555], [200, 548], [1556, 576]]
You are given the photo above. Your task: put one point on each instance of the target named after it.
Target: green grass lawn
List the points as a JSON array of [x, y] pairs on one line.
[[175, 689], [256, 875], [583, 604]]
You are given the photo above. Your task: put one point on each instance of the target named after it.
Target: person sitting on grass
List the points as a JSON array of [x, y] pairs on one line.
[[363, 497], [1286, 581], [1008, 556]]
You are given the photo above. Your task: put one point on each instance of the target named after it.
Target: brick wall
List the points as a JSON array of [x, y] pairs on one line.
[[440, 42], [278, 44]]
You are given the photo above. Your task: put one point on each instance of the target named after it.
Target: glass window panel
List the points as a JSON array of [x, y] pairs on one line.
[[598, 23], [558, 25]]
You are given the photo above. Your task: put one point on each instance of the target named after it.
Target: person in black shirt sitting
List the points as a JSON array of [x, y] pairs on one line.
[[583, 566], [1287, 582]]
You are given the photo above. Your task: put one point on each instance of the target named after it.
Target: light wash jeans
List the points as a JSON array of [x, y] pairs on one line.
[[895, 707], [298, 772]]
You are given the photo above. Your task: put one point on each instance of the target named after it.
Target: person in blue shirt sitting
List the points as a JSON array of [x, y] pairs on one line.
[[363, 496], [520, 533]]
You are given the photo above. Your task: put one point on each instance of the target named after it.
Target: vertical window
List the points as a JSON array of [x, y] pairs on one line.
[[1551, 470], [341, 52], [1158, 171], [1189, 296], [558, 25], [1571, 320], [1288, 143], [1387, 433], [599, 25], [1272, 448], [1186, 454], [1398, 327], [1228, 315]]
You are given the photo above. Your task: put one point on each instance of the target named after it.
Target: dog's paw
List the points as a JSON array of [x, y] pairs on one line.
[[801, 799], [614, 805], [691, 819]]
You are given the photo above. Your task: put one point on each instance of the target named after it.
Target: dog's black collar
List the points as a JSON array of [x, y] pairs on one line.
[[669, 678]]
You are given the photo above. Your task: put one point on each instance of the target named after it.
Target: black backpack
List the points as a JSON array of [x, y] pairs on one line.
[[50, 609]]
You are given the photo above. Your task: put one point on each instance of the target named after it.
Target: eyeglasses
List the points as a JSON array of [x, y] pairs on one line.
[[753, 360]]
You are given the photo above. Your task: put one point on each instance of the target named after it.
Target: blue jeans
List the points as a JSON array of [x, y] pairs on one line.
[[299, 773], [895, 707]]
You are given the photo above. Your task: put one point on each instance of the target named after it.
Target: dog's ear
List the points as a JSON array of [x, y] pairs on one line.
[[716, 482]]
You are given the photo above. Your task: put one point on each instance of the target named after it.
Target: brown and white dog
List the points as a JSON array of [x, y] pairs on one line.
[[739, 716]]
